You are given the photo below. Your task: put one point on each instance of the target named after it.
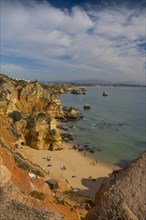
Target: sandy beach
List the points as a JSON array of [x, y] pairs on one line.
[[71, 168]]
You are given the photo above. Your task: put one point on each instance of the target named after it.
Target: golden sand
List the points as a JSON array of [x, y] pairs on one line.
[[71, 167]]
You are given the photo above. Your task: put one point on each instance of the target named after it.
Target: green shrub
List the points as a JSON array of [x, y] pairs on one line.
[[2, 81], [15, 115], [1, 96], [30, 122], [37, 195], [42, 114]]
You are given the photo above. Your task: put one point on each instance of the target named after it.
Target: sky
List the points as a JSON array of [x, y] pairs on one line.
[[67, 40]]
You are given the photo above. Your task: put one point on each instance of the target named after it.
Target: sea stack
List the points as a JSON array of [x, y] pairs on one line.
[[105, 93], [87, 106]]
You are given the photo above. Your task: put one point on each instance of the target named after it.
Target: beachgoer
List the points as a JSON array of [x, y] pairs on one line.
[[63, 168], [75, 190], [90, 177]]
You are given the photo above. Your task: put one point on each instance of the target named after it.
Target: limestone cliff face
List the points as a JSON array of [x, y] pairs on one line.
[[8, 96], [41, 133], [29, 98], [36, 99], [38, 131], [123, 196], [22, 103], [55, 110]]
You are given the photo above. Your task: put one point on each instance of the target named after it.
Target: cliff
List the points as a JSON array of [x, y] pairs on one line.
[[30, 98], [28, 116], [31, 110], [123, 195], [26, 194]]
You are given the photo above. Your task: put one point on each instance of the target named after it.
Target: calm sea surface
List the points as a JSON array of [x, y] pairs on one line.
[[115, 124]]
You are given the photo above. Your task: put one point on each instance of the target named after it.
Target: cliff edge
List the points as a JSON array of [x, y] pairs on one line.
[[123, 195]]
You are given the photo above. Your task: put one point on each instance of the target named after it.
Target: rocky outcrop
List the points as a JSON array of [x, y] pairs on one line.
[[41, 133], [87, 106], [30, 98], [75, 91], [5, 176], [54, 110], [105, 93], [72, 112], [22, 103], [8, 95], [39, 100], [123, 195]]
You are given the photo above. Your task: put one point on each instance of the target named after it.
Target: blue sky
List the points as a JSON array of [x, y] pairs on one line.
[[73, 40]]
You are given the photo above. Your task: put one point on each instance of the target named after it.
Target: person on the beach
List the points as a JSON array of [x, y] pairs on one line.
[[49, 158]]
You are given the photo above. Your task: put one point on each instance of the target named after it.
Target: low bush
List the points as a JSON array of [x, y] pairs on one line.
[[15, 115], [30, 122], [37, 195], [2, 81]]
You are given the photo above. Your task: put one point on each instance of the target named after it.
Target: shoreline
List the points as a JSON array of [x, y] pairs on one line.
[[111, 86], [73, 170]]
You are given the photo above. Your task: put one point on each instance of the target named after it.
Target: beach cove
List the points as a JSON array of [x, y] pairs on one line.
[[81, 172], [115, 124]]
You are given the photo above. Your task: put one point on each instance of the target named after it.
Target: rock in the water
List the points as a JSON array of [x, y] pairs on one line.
[[105, 93], [72, 112], [87, 106], [75, 91]]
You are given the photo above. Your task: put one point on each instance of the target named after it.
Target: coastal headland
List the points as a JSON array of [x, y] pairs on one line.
[[72, 169], [31, 117], [40, 165]]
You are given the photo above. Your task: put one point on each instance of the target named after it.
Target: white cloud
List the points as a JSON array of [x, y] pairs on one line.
[[12, 68], [89, 44]]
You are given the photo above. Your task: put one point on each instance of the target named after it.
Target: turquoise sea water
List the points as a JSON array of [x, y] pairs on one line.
[[115, 124]]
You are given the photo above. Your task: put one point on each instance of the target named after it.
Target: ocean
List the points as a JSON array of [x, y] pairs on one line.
[[114, 126]]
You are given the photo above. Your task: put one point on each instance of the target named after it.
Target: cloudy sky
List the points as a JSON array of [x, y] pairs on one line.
[[73, 40]]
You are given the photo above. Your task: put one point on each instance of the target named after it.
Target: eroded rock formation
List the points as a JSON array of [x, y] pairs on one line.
[[31, 109], [123, 195], [41, 133]]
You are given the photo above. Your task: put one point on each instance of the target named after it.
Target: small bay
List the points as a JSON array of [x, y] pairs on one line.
[[114, 126]]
